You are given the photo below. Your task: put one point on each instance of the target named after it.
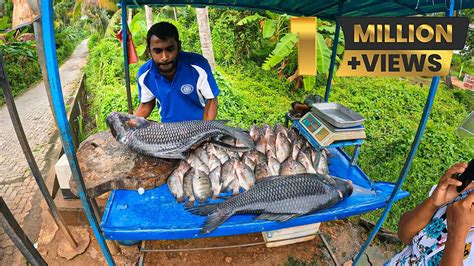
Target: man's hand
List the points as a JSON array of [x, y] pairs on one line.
[[459, 219], [446, 189], [144, 109]]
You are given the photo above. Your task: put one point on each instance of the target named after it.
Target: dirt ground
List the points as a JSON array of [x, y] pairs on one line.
[[344, 237]]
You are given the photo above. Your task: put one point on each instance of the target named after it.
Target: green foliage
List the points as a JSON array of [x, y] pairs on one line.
[[249, 19], [21, 59], [392, 108], [284, 48]]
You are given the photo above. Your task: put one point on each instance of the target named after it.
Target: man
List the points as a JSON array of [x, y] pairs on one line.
[[181, 83]]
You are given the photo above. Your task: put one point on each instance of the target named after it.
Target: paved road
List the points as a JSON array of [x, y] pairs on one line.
[[17, 186]]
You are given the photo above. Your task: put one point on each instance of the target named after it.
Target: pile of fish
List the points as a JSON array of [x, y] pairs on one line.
[[211, 169], [172, 140], [278, 198]]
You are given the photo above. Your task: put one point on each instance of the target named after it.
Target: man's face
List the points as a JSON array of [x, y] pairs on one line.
[[164, 54]]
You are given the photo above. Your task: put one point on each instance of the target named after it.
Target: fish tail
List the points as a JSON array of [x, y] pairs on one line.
[[242, 136], [203, 210], [214, 220]]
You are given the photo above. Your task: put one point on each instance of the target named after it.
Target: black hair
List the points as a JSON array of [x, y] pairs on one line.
[[164, 31]]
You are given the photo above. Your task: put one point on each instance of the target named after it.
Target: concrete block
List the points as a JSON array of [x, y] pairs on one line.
[[63, 172]]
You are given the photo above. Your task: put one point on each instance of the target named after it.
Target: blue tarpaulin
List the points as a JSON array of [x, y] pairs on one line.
[[155, 215]]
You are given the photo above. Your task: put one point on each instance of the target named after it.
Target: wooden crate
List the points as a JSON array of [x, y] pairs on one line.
[[290, 235]]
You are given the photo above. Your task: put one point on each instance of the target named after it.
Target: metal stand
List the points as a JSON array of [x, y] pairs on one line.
[[16, 234], [29, 155]]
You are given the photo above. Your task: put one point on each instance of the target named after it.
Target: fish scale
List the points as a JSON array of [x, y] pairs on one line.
[[278, 198]]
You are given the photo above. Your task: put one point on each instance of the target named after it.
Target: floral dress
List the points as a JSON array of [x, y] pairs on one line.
[[428, 245]]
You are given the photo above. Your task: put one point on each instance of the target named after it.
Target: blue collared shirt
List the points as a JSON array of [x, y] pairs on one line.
[[183, 98]]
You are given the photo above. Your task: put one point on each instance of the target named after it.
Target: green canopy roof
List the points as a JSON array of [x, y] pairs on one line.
[[324, 8]]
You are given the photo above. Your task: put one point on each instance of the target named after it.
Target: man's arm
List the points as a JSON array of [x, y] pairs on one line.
[[145, 109], [210, 110]]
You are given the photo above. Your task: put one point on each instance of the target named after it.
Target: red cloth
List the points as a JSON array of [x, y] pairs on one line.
[[132, 53]]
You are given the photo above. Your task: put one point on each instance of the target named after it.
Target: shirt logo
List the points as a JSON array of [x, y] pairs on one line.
[[187, 88]]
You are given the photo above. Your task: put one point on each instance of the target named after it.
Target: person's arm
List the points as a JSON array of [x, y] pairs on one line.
[[210, 110], [459, 219], [413, 221], [144, 109]]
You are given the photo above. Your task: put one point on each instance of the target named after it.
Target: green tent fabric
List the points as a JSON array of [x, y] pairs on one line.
[[324, 8]]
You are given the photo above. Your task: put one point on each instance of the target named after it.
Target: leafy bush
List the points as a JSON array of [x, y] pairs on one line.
[[21, 58]]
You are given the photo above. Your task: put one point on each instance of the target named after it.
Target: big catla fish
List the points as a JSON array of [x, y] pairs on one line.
[[278, 198], [170, 140]]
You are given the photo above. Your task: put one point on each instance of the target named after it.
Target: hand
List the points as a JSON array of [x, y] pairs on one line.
[[460, 218], [446, 189]]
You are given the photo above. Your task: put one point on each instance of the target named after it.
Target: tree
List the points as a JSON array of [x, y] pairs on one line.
[[149, 17], [205, 35]]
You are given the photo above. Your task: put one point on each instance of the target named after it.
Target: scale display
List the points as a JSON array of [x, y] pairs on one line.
[[315, 127], [325, 134]]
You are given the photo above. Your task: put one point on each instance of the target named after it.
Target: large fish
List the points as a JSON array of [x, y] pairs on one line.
[[171, 140], [278, 198]]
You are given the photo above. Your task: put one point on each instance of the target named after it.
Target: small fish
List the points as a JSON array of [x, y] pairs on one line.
[[282, 147], [249, 162], [201, 153], [216, 185], [221, 154], [188, 187], [227, 173], [270, 140], [279, 128], [175, 181], [293, 135], [196, 163], [273, 165], [255, 133], [291, 167], [214, 162], [262, 170], [245, 175], [201, 185], [322, 167], [304, 160]]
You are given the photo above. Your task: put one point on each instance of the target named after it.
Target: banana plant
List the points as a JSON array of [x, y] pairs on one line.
[[275, 28]]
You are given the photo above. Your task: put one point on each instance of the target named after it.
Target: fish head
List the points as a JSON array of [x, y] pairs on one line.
[[343, 187], [120, 123]]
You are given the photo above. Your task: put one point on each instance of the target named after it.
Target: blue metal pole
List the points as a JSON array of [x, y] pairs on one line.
[[411, 155], [47, 18], [125, 55], [334, 52]]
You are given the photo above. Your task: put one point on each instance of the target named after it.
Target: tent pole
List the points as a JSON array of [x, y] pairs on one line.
[[18, 236], [125, 55], [47, 18], [411, 155], [334, 52]]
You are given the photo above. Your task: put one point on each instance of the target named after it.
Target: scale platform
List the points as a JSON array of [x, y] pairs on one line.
[[155, 215]]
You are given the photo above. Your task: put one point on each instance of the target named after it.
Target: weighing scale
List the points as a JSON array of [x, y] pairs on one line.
[[321, 135]]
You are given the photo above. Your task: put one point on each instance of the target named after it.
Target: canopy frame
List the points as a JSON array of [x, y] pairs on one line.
[[64, 127]]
